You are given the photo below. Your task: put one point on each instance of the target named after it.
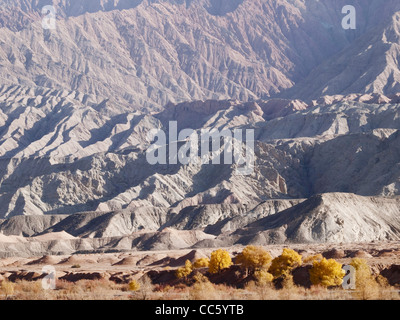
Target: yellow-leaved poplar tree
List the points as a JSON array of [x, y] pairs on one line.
[[363, 272], [286, 262], [134, 285], [263, 277], [254, 258], [220, 259], [185, 271], [366, 285], [327, 273], [201, 263]]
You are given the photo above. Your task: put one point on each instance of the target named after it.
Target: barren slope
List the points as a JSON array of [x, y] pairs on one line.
[[77, 104], [332, 218], [146, 53], [328, 218]]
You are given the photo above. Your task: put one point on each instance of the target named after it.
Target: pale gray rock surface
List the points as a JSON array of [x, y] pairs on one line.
[[328, 218], [77, 104], [146, 53]]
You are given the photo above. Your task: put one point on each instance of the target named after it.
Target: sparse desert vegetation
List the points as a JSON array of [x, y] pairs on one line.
[[247, 273], [199, 150]]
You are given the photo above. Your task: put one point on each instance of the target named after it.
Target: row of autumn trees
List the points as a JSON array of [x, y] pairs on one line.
[[257, 262]]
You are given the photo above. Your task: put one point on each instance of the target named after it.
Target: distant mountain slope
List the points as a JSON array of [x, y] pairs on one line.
[[333, 218], [60, 156], [369, 65], [146, 53], [328, 218]]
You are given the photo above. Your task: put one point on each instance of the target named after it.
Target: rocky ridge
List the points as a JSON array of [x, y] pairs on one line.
[[77, 104], [144, 54]]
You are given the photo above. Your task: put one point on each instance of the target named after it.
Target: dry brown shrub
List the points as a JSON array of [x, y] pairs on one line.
[[202, 289], [145, 291], [260, 291]]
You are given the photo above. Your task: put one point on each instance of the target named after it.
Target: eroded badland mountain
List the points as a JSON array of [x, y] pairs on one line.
[[77, 104]]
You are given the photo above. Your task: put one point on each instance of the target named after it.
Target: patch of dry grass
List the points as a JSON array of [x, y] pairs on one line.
[[80, 290], [201, 288]]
